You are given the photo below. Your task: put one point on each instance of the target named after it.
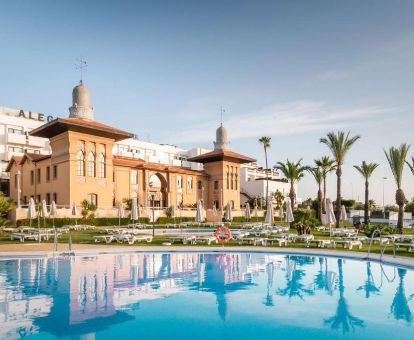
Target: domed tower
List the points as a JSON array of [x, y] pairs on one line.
[[221, 142], [81, 103]]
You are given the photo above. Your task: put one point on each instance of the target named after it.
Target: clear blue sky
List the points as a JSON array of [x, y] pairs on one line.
[[292, 70]]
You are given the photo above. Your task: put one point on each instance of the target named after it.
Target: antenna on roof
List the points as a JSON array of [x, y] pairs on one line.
[[221, 115], [81, 66]]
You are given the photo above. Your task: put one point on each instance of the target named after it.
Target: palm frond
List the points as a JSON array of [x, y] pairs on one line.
[[396, 159]]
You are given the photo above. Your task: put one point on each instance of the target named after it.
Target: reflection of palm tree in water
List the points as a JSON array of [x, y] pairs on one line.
[[268, 300], [324, 280], [369, 286], [294, 276], [343, 317], [399, 306]]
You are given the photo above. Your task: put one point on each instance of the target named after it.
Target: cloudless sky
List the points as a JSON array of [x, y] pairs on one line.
[[293, 70]]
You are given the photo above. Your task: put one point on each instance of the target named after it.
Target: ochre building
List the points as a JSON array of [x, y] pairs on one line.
[[81, 166]]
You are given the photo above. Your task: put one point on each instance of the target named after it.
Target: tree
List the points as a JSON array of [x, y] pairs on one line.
[[293, 173], [339, 143], [396, 159], [366, 170], [327, 165], [318, 175], [265, 141], [279, 198], [6, 205]]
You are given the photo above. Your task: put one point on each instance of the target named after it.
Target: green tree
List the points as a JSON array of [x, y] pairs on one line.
[[279, 198], [88, 210], [265, 141], [326, 165], [411, 165], [396, 159], [339, 143], [6, 205], [366, 170], [293, 173], [318, 175]]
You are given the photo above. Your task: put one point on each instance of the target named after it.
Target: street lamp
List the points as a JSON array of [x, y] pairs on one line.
[[383, 196]]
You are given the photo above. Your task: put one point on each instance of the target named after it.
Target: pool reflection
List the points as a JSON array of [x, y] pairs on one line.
[[87, 295]]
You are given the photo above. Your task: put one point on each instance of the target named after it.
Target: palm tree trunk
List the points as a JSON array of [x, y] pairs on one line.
[[267, 176], [400, 200], [324, 194], [292, 196], [320, 203], [400, 216], [338, 195], [366, 203]]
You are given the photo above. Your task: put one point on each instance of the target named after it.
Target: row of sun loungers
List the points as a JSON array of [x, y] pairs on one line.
[[122, 238]]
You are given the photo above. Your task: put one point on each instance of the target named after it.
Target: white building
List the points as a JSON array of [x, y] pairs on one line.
[[253, 182]]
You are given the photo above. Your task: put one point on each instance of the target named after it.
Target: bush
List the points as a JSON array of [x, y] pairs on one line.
[[242, 219], [6, 205], [165, 220], [98, 221], [384, 229], [305, 219]]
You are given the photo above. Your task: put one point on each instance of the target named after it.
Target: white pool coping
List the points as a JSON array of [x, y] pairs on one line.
[[386, 259]]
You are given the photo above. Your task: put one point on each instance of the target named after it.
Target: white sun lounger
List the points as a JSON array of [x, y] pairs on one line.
[[207, 239]]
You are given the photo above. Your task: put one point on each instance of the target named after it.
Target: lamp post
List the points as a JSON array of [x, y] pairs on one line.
[[383, 196]]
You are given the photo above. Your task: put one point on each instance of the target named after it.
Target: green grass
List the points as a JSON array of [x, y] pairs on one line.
[[86, 237]]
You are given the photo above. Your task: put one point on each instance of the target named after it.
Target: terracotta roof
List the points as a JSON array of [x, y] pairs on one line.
[[13, 159], [220, 155], [59, 125], [35, 157], [138, 163]]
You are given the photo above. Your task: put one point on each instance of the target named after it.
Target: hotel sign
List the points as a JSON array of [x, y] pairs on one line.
[[35, 116]]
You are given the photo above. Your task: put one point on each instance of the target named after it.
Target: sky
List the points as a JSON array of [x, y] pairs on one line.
[[293, 70]]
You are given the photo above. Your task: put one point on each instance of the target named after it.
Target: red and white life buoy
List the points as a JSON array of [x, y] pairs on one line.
[[223, 234]]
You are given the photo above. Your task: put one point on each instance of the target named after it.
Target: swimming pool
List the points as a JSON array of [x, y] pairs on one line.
[[204, 296]]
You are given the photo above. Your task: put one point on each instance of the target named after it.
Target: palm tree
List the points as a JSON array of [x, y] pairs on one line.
[[318, 175], [366, 170], [411, 166], [396, 158], [339, 143], [327, 165], [266, 144], [293, 173]]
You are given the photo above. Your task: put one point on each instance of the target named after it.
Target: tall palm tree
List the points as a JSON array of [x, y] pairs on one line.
[[396, 158], [339, 143], [318, 175], [265, 141], [327, 165], [293, 173], [366, 170]]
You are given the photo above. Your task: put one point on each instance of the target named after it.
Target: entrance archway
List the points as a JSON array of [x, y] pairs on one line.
[[157, 193]]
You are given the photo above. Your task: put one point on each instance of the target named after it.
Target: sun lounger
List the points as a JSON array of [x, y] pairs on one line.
[[207, 239], [347, 243], [104, 238], [321, 243], [252, 240], [281, 241], [184, 239], [408, 246]]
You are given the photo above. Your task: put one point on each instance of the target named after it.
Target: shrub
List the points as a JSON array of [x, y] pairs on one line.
[[385, 229], [98, 221], [6, 205], [164, 220], [241, 219], [305, 219]]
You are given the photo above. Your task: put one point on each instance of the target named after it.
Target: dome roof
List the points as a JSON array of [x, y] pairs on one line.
[[81, 96], [221, 138]]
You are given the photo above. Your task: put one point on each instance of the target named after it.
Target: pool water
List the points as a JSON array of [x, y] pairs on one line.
[[204, 296]]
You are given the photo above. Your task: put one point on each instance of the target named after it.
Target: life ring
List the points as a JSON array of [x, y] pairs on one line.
[[223, 234]]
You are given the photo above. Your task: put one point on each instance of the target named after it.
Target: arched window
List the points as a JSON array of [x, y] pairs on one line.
[[101, 165], [81, 163], [231, 182], [91, 164]]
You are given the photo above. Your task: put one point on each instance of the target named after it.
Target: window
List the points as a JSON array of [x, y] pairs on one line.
[[235, 181], [55, 172], [38, 199], [231, 182], [199, 185], [15, 149], [216, 185], [55, 197], [101, 165], [47, 173], [31, 177], [189, 183], [179, 182], [133, 177], [91, 164], [24, 199], [15, 180], [93, 198], [81, 163], [48, 198], [228, 181], [38, 176]]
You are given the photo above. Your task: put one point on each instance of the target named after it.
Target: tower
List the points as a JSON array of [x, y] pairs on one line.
[[221, 142]]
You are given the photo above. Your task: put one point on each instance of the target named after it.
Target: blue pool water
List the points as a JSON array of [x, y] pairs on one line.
[[204, 296]]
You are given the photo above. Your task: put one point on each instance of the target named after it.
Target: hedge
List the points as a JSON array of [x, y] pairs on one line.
[[98, 221], [164, 220]]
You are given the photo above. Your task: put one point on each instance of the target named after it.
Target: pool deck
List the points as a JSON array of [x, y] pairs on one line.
[[35, 250]]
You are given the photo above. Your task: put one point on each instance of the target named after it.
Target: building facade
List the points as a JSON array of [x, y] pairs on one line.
[[82, 165]]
